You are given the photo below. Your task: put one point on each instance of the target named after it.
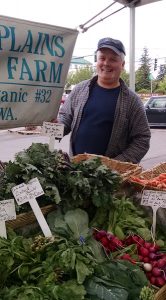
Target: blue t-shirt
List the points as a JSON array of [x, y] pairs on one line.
[[97, 121]]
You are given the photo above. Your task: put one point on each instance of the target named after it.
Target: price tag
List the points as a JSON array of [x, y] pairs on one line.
[[54, 131], [20, 193], [7, 212], [34, 188], [28, 193], [155, 199]]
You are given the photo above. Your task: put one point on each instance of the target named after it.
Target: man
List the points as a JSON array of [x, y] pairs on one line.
[[103, 115]]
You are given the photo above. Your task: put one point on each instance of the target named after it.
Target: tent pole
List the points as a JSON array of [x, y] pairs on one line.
[[132, 48]]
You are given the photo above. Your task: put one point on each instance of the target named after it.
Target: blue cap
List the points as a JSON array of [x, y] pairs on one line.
[[112, 44]]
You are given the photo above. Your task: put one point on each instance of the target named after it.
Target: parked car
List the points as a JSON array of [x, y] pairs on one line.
[[64, 97], [156, 111]]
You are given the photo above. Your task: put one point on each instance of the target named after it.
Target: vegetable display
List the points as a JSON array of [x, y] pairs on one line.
[[157, 182], [102, 246]]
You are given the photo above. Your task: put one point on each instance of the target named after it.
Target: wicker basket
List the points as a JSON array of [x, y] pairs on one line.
[[29, 217], [161, 294], [125, 169], [150, 174]]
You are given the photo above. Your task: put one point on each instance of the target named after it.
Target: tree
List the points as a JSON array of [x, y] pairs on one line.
[[79, 75], [161, 87], [143, 72], [162, 72], [125, 77]]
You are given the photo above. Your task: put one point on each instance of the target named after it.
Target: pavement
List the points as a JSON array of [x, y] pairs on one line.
[[23, 130], [16, 139]]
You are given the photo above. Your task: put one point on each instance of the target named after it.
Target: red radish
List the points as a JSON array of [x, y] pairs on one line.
[[117, 242], [112, 247], [145, 259], [104, 241], [160, 281], [140, 257], [156, 272], [147, 267], [100, 234], [135, 238], [126, 256], [161, 263], [128, 241], [152, 256], [141, 241], [143, 251], [110, 236], [152, 280], [154, 248], [147, 245]]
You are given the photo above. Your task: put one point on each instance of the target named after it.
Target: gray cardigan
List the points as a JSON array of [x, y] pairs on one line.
[[130, 136]]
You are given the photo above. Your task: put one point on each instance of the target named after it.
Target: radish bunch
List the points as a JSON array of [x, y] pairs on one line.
[[109, 241], [154, 262]]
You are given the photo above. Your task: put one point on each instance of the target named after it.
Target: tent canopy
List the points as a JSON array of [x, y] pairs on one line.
[[136, 3]]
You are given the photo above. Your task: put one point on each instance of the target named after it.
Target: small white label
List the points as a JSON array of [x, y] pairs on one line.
[[53, 129], [34, 188], [24, 192], [154, 198], [7, 210], [28, 193], [20, 193]]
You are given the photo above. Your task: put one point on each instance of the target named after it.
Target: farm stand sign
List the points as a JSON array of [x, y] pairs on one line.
[[34, 62]]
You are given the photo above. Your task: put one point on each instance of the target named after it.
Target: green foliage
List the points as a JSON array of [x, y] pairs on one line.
[[162, 72], [121, 278], [71, 185], [126, 218], [143, 72], [161, 86], [125, 77], [79, 75], [147, 293]]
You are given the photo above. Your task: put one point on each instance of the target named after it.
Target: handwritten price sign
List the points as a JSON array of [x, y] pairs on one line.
[[155, 199], [28, 193], [54, 131], [7, 212]]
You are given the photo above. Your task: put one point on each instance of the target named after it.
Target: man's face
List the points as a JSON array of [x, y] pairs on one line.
[[109, 66]]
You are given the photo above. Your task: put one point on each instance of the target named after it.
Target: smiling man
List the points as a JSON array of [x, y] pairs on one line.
[[103, 115]]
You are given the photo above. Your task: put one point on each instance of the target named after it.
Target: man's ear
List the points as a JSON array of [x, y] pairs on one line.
[[123, 64]]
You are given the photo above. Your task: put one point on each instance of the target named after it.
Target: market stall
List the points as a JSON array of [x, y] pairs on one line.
[[100, 242]]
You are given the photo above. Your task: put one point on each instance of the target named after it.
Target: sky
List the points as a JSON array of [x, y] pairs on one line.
[[150, 23]]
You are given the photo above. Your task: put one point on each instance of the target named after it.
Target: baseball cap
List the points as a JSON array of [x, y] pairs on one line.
[[113, 44]]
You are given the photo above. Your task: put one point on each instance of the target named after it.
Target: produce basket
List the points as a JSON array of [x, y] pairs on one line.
[[29, 217], [161, 294], [125, 169], [149, 177]]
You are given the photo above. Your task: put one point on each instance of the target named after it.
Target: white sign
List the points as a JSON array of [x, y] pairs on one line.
[[34, 63], [7, 212], [54, 131], [28, 193], [155, 199], [34, 188], [24, 192], [20, 193]]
